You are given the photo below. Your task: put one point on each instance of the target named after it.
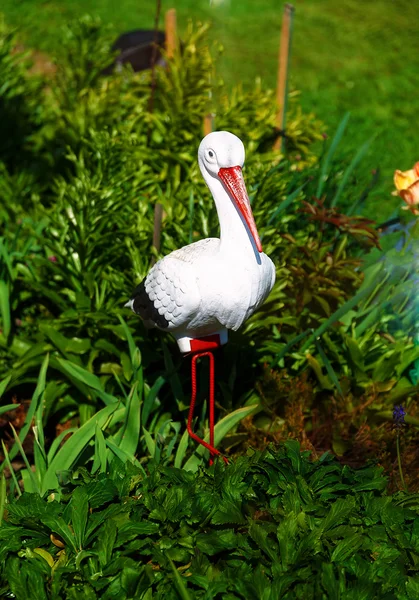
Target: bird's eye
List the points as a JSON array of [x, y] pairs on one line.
[[210, 156]]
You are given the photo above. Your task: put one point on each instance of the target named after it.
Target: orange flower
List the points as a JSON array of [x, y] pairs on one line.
[[407, 187]]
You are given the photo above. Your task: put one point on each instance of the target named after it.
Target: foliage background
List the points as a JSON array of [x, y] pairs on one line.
[[101, 493], [346, 56]]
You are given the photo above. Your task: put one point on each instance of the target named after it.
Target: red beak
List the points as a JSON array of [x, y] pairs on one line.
[[233, 180]]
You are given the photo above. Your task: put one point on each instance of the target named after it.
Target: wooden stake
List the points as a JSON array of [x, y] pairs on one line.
[[158, 217], [171, 43], [283, 64], [171, 35], [208, 123]]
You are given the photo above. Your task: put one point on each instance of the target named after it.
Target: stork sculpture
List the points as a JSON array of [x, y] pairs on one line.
[[206, 288]]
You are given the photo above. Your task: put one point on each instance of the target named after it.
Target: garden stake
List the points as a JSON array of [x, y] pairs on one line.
[[170, 43], [170, 30], [283, 65], [204, 289]]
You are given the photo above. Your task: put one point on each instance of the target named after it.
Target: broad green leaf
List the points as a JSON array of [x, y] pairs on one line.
[[57, 442], [106, 542], [220, 431], [100, 456], [66, 456], [150, 443], [86, 378], [4, 384], [122, 454], [130, 431], [346, 548], [79, 514], [181, 449]]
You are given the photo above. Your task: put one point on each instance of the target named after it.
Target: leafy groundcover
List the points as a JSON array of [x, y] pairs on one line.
[[270, 525]]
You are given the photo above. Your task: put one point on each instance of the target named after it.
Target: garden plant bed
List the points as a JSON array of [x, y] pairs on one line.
[[270, 525], [102, 494]]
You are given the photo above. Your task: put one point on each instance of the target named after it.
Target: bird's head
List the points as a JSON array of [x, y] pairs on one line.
[[221, 156]]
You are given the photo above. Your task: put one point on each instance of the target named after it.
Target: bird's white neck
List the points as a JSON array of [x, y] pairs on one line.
[[235, 236]]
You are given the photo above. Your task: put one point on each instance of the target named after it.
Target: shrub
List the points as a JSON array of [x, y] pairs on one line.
[[271, 525]]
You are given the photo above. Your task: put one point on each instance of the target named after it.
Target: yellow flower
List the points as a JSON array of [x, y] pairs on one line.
[[407, 187]]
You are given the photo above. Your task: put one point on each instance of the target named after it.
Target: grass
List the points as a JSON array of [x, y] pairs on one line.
[[346, 56]]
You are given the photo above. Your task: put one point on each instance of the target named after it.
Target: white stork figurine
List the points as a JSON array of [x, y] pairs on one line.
[[206, 288]]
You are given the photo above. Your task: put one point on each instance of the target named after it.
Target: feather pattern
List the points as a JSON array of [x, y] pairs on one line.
[[215, 284]]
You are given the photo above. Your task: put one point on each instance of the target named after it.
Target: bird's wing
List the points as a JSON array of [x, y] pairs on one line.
[[169, 297]]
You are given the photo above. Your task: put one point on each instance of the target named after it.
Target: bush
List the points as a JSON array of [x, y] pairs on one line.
[[77, 217], [271, 525]]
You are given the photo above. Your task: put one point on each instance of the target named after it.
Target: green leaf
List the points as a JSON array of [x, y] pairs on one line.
[[87, 378], [151, 397], [79, 514], [6, 320], [330, 370], [31, 475], [8, 407], [150, 443], [347, 548], [412, 588], [260, 536], [33, 407], [2, 496], [285, 204], [130, 431], [100, 492], [220, 431], [122, 454], [340, 312], [329, 156], [106, 542], [72, 448], [180, 582], [4, 384], [356, 159], [100, 457], [8, 463], [135, 353], [133, 529], [181, 450], [216, 541]]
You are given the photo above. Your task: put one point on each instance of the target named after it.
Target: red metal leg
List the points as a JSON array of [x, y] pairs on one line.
[[213, 451]]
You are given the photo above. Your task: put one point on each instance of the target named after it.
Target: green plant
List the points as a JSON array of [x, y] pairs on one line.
[[271, 525], [82, 238], [111, 157], [130, 423]]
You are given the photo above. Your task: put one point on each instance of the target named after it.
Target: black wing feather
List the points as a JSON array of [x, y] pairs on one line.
[[144, 307]]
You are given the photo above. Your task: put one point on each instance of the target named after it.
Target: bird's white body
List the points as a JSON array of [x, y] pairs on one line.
[[213, 285]]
